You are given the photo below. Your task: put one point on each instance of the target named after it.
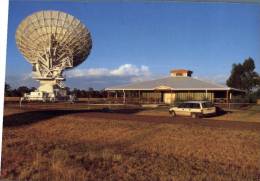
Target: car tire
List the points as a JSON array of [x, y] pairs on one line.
[[194, 115], [172, 113]]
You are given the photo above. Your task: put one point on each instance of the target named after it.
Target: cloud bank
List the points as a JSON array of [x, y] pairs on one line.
[[126, 70], [98, 78], [103, 77]]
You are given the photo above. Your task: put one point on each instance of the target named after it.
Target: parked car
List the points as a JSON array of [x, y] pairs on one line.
[[194, 109]]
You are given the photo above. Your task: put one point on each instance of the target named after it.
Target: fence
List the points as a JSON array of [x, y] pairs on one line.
[[221, 102], [233, 105]]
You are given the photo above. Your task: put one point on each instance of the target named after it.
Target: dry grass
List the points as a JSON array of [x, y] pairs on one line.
[[249, 114], [85, 146]]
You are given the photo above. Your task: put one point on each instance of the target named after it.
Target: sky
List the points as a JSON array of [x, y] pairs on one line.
[[134, 41]]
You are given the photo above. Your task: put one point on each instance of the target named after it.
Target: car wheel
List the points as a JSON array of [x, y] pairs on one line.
[[172, 113], [194, 115]]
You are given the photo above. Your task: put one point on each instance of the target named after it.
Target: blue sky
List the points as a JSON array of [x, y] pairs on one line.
[[142, 41]]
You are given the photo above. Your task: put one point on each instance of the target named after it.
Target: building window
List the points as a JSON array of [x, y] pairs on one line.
[[179, 74]]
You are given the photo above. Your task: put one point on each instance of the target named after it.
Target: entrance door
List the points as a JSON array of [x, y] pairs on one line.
[[168, 98]]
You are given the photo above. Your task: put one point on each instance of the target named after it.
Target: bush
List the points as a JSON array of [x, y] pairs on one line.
[[253, 96]]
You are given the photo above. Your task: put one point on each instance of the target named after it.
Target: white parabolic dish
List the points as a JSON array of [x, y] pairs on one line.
[[52, 41]]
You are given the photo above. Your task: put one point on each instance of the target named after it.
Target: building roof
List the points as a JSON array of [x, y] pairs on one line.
[[173, 83], [180, 71]]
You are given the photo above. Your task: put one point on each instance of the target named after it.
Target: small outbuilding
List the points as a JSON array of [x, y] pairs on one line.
[[179, 86]]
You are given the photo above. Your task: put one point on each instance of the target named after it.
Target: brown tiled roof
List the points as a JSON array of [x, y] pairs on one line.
[[180, 71]]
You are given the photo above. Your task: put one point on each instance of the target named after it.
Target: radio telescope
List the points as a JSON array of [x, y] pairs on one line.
[[52, 41]]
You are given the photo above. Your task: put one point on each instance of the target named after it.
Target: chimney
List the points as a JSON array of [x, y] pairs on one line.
[[180, 73]]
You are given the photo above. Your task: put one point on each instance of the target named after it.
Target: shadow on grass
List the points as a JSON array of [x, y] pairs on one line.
[[26, 118], [220, 111], [124, 114]]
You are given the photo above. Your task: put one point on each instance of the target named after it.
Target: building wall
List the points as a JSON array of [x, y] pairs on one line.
[[195, 96], [169, 98], [151, 95]]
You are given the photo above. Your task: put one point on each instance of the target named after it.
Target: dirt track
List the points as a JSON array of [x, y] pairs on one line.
[[35, 113]]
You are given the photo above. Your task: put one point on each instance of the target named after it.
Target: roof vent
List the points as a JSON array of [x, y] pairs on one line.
[[180, 73]]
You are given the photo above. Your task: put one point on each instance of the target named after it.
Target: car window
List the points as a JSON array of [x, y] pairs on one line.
[[207, 105], [188, 105], [195, 105], [182, 105]]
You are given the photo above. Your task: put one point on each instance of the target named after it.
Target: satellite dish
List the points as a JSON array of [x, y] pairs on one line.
[[52, 41]]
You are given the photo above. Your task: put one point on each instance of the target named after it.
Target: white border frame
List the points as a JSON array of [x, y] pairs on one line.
[[4, 8]]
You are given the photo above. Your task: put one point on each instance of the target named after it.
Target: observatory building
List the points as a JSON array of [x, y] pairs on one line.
[[52, 41], [179, 86]]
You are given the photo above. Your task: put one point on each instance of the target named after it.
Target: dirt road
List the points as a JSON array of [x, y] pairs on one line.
[[33, 113]]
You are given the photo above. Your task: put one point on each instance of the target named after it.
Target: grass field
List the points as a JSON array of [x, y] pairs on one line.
[[247, 114], [40, 144]]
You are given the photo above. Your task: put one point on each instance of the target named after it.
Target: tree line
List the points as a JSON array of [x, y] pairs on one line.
[[80, 93], [10, 92]]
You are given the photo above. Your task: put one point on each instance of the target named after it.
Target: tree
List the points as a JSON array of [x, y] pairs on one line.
[[67, 90], [90, 89], [243, 76], [8, 90], [23, 89], [32, 89], [235, 77], [257, 93]]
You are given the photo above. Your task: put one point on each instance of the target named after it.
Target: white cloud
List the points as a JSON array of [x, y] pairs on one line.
[[92, 72], [129, 69], [126, 70], [100, 78], [21, 80], [92, 77], [105, 77]]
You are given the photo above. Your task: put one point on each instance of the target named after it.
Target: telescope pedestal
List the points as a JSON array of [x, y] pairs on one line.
[[47, 86], [49, 90]]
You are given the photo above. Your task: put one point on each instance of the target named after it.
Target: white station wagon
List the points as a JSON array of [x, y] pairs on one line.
[[194, 109]]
